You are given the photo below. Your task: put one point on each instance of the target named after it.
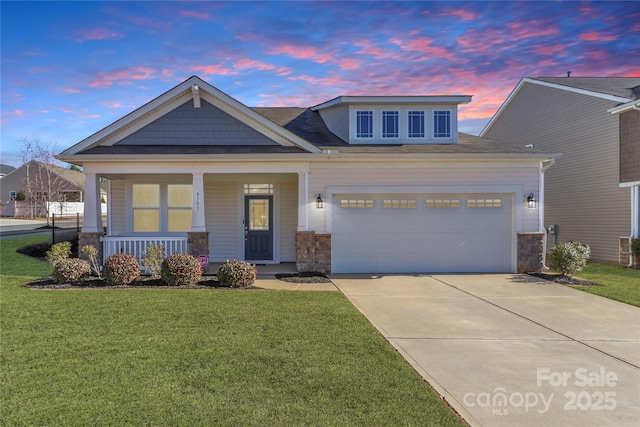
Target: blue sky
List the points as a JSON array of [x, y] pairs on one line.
[[71, 68]]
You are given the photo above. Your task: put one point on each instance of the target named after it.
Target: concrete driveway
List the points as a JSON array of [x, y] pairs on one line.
[[510, 350]]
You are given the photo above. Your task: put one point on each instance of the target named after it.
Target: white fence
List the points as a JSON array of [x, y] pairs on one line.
[[137, 246]]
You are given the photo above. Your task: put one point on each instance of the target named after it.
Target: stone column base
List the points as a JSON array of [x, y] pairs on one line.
[[313, 252], [198, 243], [90, 239], [625, 252], [530, 252]]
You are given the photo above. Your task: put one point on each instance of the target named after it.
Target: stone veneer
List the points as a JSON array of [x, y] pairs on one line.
[[313, 252], [198, 243], [623, 258], [86, 239], [530, 252]]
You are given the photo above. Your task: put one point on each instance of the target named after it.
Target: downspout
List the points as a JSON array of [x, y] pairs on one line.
[[543, 169], [635, 213]]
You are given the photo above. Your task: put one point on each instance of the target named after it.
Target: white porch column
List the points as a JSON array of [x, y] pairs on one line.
[[197, 203], [303, 201], [92, 217]]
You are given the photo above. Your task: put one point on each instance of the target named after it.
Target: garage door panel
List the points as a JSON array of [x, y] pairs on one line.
[[422, 238]]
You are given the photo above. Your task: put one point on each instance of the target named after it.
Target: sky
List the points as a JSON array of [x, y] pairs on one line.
[[69, 69]]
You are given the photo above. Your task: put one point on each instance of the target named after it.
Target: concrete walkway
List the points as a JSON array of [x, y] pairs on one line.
[[510, 350]]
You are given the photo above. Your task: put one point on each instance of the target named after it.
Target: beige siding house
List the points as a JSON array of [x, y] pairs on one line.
[[584, 200], [371, 184]]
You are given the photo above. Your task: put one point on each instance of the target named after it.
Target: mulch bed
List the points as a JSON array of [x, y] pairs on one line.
[[563, 280], [142, 282], [307, 277]]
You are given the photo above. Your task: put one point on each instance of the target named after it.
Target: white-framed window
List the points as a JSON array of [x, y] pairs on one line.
[[415, 124], [356, 203], [484, 203], [390, 128], [161, 208], [364, 124], [258, 189], [12, 195], [442, 203], [442, 124], [399, 203]]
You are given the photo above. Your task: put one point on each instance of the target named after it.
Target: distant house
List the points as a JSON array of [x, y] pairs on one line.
[[46, 188], [374, 184], [591, 193], [6, 169]]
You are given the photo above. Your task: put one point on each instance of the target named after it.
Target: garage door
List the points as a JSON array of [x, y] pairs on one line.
[[421, 233]]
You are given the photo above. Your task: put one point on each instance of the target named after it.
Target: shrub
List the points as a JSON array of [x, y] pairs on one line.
[[181, 270], [152, 260], [237, 274], [91, 253], [70, 270], [635, 247], [58, 252], [120, 269], [569, 258]]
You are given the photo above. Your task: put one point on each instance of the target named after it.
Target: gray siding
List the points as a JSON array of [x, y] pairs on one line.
[[582, 195], [630, 146], [118, 213], [221, 210], [288, 220], [337, 120], [207, 125]]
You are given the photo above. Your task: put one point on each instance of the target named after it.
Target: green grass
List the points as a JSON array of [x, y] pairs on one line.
[[618, 283], [196, 357]]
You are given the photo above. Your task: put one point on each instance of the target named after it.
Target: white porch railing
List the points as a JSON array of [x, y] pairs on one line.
[[137, 246]]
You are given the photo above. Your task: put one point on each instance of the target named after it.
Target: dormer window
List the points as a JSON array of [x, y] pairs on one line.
[[364, 124], [416, 124], [390, 124], [442, 124]]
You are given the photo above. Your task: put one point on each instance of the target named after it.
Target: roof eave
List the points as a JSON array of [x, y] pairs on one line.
[[633, 105]]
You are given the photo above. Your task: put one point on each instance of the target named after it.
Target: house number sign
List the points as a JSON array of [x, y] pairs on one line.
[[197, 200]]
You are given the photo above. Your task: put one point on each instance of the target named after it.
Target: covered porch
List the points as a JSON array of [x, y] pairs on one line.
[[257, 213]]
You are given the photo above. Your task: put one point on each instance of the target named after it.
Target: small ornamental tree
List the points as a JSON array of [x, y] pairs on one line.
[[71, 270], [90, 252], [181, 270], [237, 274], [120, 269], [152, 259], [569, 258]]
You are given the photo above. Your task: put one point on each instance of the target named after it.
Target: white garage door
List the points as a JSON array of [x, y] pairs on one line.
[[421, 233]]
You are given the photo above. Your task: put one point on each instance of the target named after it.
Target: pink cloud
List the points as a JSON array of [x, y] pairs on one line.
[[72, 90], [194, 14], [125, 75], [213, 69], [96, 34], [423, 45], [549, 50], [302, 52], [349, 64], [464, 15], [528, 29], [597, 37]]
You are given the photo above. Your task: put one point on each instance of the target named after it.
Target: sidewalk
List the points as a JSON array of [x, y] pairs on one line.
[[9, 226]]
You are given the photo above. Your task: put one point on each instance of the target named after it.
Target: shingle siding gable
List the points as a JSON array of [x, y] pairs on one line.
[[186, 125], [630, 146]]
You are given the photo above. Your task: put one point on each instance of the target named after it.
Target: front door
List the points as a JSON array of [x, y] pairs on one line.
[[258, 228]]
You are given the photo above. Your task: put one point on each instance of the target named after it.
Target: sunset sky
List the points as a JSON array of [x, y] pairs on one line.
[[71, 68]]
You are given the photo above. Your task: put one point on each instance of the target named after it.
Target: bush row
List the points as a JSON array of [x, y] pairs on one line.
[[122, 269]]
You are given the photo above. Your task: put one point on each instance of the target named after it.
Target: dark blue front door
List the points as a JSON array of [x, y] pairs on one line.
[[258, 228]]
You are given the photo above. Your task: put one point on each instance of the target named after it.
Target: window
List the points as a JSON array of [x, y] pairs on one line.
[[442, 203], [258, 189], [356, 203], [399, 203], [416, 124], [442, 124], [161, 207], [12, 195], [484, 203], [389, 124], [146, 207], [364, 125]]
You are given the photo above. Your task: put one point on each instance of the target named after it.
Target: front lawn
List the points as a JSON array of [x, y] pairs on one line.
[[618, 283], [196, 357]]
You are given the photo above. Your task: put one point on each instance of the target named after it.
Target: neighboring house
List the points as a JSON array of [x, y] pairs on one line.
[[60, 189], [6, 170], [356, 184], [585, 194]]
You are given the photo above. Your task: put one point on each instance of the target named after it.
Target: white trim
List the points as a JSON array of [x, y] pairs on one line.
[[524, 80], [407, 100], [633, 105], [629, 184]]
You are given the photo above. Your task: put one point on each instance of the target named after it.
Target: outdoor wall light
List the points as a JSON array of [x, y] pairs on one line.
[[531, 201], [319, 202]]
